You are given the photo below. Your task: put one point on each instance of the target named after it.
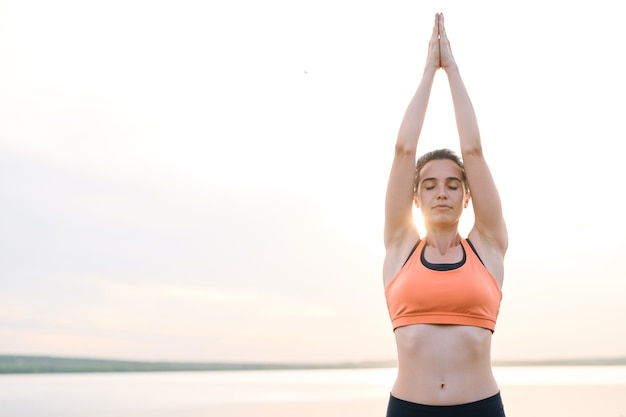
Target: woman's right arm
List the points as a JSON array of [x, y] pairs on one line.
[[399, 199]]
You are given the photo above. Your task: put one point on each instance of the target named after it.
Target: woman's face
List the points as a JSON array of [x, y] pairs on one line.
[[440, 193]]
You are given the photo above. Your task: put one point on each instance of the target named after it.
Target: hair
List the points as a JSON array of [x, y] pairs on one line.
[[436, 155]]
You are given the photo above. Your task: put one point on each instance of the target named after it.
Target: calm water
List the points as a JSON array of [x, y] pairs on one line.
[[169, 394]]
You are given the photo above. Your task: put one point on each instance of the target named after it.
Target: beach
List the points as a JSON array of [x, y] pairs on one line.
[[526, 392], [519, 401]]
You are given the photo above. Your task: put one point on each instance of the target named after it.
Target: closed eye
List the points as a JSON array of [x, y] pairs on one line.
[[453, 183]]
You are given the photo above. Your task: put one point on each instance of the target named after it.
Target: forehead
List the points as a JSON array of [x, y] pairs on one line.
[[440, 169]]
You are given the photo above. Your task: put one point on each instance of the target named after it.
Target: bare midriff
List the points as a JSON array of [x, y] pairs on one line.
[[443, 364]]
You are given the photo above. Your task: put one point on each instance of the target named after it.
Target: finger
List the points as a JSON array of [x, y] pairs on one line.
[[439, 17], [442, 28], [436, 27]]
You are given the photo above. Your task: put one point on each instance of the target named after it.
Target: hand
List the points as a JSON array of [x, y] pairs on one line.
[[433, 60], [446, 59]]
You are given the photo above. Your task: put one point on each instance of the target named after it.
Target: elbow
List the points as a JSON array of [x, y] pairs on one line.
[[471, 147], [406, 142], [405, 148]]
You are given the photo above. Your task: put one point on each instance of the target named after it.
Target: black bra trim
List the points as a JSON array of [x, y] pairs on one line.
[[443, 267], [474, 250], [412, 250]]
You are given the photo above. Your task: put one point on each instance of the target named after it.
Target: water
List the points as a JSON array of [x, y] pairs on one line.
[[172, 394]]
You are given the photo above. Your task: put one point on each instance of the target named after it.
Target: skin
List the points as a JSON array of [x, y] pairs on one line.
[[442, 364]]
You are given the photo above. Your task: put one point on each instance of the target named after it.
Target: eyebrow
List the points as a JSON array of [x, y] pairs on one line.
[[447, 179]]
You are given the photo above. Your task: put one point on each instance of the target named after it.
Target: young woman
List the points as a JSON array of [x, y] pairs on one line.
[[443, 291]]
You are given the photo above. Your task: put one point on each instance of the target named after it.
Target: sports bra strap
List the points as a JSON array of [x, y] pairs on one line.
[[419, 240]]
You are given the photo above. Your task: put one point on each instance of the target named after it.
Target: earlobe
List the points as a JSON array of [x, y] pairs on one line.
[[416, 201], [467, 200]]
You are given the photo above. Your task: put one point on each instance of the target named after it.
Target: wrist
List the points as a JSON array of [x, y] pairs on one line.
[[429, 71], [452, 68]]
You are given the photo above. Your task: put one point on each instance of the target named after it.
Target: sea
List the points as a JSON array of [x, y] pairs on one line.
[[572, 391]]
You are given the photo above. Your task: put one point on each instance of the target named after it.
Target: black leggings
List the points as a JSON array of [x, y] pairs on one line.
[[489, 407]]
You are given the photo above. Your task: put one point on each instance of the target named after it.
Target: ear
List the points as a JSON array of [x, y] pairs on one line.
[[466, 199], [416, 201]]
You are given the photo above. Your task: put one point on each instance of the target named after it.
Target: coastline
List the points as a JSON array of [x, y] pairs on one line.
[[29, 364]]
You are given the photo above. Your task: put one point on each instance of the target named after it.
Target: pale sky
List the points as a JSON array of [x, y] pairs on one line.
[[193, 180]]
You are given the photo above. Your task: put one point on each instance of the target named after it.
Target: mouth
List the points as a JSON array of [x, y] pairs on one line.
[[442, 207]]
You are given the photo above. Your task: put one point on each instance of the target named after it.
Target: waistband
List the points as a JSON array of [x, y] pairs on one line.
[[487, 407]]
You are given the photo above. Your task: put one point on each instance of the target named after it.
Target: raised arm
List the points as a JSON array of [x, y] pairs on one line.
[[399, 199], [489, 226]]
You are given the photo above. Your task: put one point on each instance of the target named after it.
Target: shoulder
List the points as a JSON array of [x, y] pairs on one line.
[[490, 253], [397, 253]]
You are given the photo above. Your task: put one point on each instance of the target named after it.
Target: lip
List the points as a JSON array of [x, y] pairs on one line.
[[441, 207]]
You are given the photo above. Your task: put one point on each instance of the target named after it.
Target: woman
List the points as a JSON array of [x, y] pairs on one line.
[[443, 291]]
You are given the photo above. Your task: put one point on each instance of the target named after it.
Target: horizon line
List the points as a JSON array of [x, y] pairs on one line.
[[16, 363]]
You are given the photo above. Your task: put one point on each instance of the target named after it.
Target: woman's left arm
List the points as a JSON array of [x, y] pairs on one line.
[[489, 220]]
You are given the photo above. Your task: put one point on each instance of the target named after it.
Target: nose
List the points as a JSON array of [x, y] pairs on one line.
[[441, 194]]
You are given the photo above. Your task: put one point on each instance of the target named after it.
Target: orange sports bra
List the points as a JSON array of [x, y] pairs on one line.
[[464, 293]]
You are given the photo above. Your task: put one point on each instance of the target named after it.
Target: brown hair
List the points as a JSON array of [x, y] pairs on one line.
[[435, 155]]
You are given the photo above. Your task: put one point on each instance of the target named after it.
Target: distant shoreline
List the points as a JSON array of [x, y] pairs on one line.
[[24, 364]]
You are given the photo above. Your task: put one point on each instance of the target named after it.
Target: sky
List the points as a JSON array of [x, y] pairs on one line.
[[204, 181]]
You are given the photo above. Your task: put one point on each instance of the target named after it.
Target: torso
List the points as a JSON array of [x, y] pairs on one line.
[[442, 364]]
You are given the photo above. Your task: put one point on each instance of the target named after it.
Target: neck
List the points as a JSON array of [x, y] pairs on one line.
[[442, 240]]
